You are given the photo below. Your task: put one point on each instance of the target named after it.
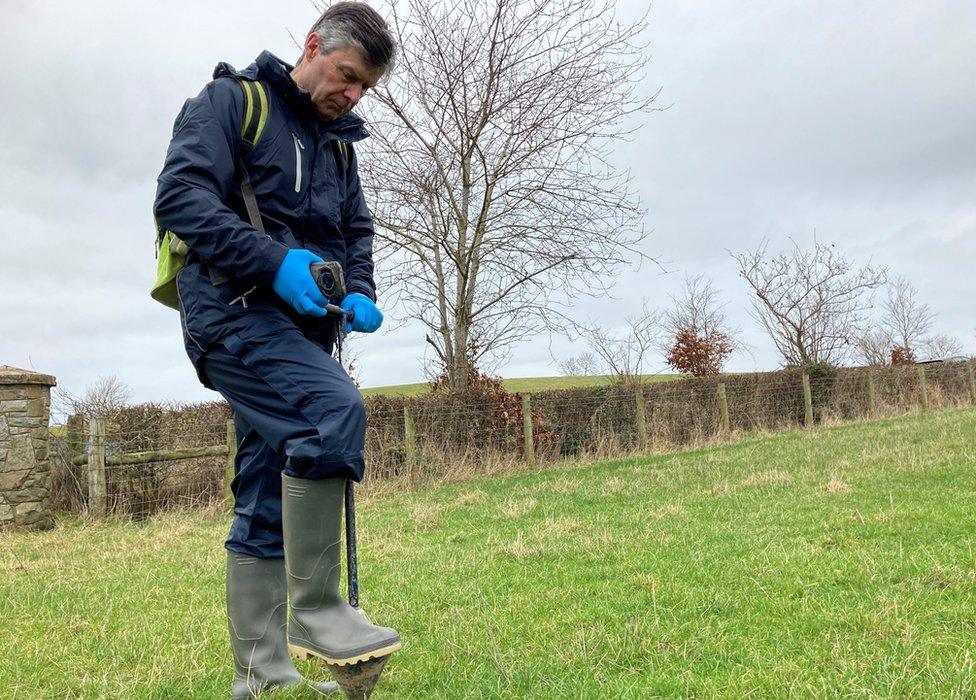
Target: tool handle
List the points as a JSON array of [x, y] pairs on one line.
[[352, 568], [340, 312]]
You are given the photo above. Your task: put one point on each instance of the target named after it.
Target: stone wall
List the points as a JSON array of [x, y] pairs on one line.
[[25, 476]]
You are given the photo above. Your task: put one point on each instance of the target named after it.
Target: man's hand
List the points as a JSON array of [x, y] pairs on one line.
[[367, 318], [294, 283]]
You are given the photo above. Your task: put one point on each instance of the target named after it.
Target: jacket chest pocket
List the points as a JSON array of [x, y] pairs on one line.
[[313, 183]]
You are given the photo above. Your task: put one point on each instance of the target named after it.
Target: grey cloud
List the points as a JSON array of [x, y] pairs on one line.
[[851, 119]]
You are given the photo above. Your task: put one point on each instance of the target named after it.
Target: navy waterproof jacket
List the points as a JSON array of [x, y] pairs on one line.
[[309, 197]]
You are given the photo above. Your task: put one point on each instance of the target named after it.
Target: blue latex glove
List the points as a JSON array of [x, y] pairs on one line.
[[367, 318], [294, 282]]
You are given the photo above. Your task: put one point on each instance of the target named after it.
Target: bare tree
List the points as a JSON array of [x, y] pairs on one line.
[[810, 302], [105, 397], [626, 354], [698, 306], [583, 365], [696, 334], [874, 346], [941, 347], [905, 318], [488, 168]]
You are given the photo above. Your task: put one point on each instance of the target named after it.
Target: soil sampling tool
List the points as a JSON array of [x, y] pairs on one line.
[[357, 680]]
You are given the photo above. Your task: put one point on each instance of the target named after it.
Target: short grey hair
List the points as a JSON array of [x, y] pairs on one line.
[[357, 25]]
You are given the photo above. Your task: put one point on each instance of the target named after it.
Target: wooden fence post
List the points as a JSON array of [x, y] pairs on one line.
[[872, 405], [96, 467], [641, 418], [972, 383], [409, 443], [230, 470], [807, 402], [527, 428], [723, 407], [924, 385]]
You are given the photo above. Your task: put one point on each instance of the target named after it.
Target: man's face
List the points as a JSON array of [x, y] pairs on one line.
[[335, 81]]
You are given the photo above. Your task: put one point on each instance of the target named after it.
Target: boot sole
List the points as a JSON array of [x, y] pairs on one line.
[[304, 653]]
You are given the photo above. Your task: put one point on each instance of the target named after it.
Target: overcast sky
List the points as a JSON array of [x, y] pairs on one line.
[[854, 120]]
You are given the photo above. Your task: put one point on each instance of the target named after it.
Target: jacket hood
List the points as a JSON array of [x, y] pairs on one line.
[[277, 74]]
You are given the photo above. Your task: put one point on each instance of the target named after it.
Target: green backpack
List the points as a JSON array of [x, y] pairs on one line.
[[170, 250]]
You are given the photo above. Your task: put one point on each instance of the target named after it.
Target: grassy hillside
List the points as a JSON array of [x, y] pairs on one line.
[[833, 564], [523, 384]]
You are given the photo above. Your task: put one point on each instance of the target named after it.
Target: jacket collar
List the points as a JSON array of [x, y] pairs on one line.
[[277, 73]]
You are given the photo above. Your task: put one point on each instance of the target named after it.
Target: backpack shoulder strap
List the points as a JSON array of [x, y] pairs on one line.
[[255, 112], [252, 126]]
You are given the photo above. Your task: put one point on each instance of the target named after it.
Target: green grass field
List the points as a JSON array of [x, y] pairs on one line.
[[834, 564], [523, 384]]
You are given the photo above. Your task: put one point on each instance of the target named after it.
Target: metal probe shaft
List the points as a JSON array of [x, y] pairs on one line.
[[352, 572]]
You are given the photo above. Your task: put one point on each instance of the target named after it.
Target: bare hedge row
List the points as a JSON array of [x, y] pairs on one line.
[[481, 432]]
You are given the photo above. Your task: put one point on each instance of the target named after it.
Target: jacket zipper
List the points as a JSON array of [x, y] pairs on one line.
[[308, 203], [299, 147]]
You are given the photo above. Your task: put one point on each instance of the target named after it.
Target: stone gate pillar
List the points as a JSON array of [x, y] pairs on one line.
[[25, 476]]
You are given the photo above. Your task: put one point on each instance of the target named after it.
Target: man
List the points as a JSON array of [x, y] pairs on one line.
[[256, 329]]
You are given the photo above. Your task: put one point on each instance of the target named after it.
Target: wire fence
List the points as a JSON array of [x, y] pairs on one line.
[[146, 459]]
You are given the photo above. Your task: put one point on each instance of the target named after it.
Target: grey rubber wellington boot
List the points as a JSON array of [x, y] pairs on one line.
[[256, 614], [322, 623]]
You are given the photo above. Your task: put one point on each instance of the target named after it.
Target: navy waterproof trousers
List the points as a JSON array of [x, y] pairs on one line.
[[295, 410]]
